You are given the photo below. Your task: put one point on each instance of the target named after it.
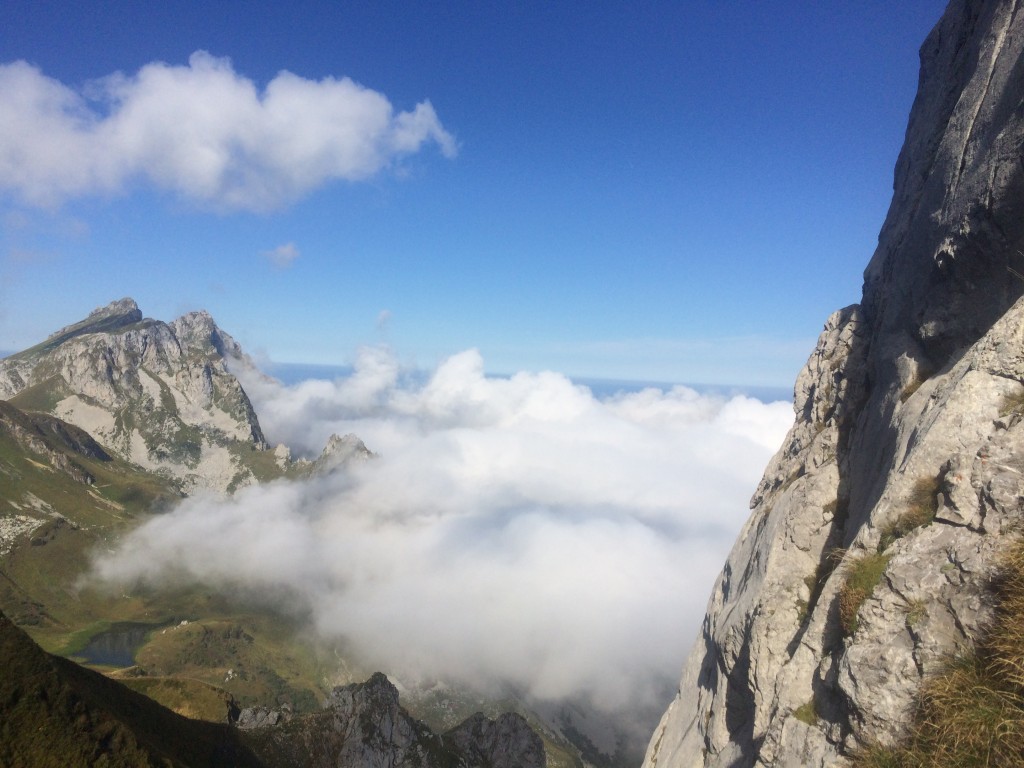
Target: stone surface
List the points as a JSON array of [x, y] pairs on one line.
[[158, 395], [909, 401], [340, 452], [507, 742], [363, 726]]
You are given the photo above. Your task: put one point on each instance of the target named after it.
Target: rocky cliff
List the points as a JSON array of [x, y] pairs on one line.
[[363, 726], [156, 394], [875, 531]]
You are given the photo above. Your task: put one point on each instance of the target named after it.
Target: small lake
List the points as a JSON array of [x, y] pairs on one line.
[[116, 647]]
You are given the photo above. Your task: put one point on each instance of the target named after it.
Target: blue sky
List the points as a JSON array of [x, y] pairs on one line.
[[656, 191]]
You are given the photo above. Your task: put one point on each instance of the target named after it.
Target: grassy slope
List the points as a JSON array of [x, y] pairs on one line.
[[40, 579], [55, 713], [227, 649], [972, 713]]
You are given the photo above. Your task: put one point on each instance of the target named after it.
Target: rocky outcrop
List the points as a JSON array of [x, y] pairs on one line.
[[874, 532], [507, 742], [156, 394], [363, 726], [339, 453]]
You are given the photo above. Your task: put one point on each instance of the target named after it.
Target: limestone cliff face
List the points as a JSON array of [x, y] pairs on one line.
[[907, 452], [157, 394]]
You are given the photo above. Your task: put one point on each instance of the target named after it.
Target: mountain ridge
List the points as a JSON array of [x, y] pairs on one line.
[[158, 394], [877, 528]]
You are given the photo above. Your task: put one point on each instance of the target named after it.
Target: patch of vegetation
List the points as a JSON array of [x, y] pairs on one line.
[[56, 713], [42, 396], [262, 464], [921, 508], [922, 375], [803, 609], [815, 582], [917, 610], [1012, 402], [972, 713], [189, 698], [862, 576], [807, 712], [254, 657]]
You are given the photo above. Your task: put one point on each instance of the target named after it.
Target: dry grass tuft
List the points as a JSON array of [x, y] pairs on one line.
[[923, 373], [921, 508], [807, 712], [862, 577], [972, 714], [1012, 403]]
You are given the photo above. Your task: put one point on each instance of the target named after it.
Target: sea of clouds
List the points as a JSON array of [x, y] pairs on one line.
[[516, 530]]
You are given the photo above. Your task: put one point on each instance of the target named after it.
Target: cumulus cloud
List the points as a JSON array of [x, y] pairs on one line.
[[201, 131], [512, 529], [282, 256]]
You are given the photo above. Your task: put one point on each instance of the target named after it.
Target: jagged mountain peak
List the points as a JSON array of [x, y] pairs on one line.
[[125, 309], [113, 317], [364, 725], [341, 452], [116, 314], [158, 395], [199, 330]]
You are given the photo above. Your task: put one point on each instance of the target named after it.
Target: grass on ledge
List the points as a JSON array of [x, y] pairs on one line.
[[807, 712], [1012, 403], [862, 577], [972, 713], [921, 508]]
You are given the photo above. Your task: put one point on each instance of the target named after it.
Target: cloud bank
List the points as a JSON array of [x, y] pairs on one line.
[[201, 131], [516, 530]]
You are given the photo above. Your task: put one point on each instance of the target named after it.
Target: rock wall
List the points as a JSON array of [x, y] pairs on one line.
[[904, 466], [363, 726], [158, 395]]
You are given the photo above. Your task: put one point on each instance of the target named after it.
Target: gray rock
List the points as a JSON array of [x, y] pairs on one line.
[[363, 726], [341, 452], [906, 407], [158, 395], [250, 718], [507, 742]]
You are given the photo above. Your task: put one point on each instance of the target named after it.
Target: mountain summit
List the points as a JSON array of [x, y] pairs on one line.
[[156, 394], [876, 532]]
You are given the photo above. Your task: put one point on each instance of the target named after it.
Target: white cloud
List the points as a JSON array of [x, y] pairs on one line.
[[201, 131], [282, 256], [514, 529]]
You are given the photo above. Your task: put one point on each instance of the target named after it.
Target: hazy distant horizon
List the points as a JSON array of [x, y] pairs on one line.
[[294, 373]]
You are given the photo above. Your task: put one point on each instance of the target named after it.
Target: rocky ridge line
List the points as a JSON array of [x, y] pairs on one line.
[[363, 726], [158, 395], [906, 459]]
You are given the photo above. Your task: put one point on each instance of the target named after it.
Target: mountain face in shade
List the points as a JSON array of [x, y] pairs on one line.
[[56, 713], [363, 726], [877, 527]]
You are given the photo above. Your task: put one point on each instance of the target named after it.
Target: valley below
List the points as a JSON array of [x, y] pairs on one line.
[[154, 534]]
